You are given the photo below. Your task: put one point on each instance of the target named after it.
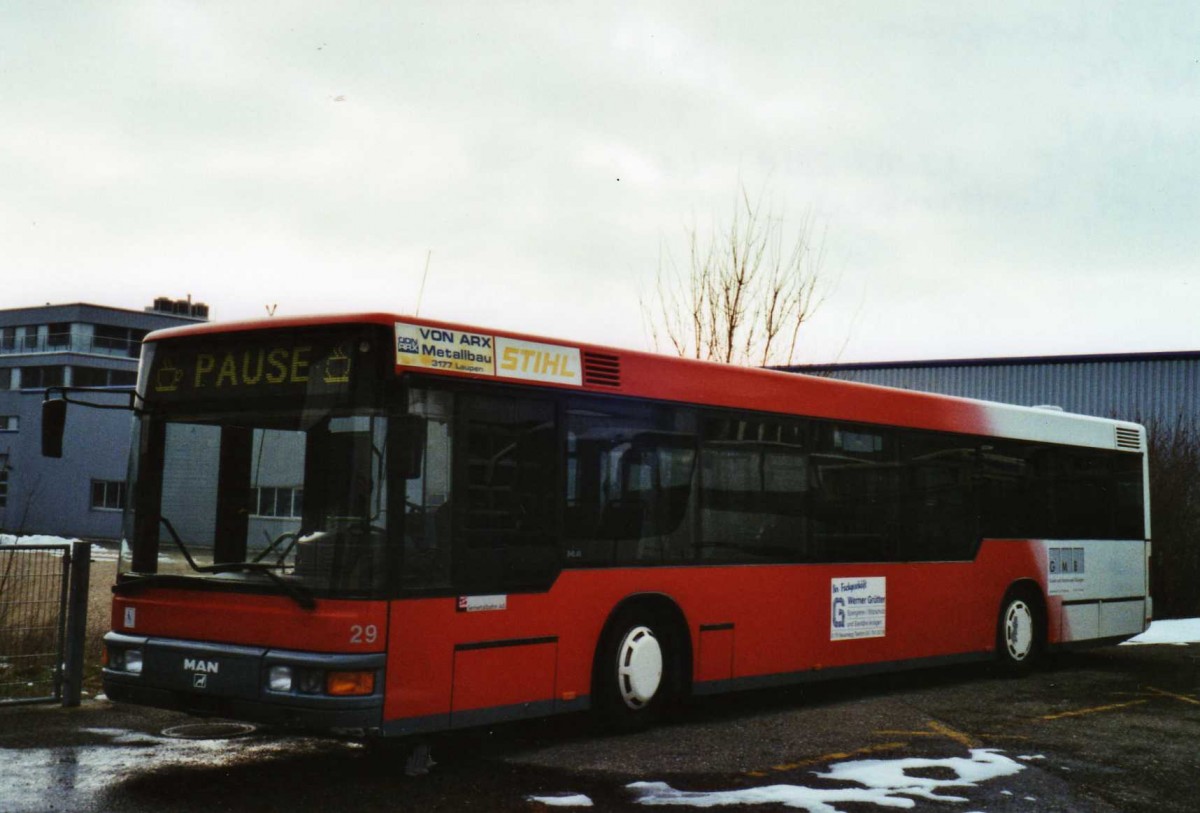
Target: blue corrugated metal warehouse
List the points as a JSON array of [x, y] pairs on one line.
[[1131, 386]]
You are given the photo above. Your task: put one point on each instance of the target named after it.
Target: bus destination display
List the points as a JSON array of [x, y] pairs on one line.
[[255, 366]]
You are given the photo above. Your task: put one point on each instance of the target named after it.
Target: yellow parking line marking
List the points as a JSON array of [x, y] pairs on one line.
[[831, 757], [1017, 737], [936, 729], [1182, 697], [1094, 710], [966, 740]]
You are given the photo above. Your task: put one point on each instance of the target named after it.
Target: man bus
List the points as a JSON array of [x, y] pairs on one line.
[[389, 526]]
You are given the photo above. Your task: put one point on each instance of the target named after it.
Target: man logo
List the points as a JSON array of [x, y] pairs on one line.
[[197, 665], [199, 681]]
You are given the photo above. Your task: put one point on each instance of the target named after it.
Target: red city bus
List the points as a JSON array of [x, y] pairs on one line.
[[380, 525]]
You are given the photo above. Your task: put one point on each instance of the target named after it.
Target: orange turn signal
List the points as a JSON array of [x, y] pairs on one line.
[[349, 683]]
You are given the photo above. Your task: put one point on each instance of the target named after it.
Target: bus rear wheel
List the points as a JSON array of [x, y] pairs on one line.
[[1020, 631], [637, 669]]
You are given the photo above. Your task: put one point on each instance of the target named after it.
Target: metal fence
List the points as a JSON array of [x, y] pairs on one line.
[[43, 620]]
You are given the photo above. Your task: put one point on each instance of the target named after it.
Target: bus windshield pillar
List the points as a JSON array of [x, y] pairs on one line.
[[233, 508]]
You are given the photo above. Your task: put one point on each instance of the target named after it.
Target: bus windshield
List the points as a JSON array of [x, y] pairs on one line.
[[241, 497], [251, 483]]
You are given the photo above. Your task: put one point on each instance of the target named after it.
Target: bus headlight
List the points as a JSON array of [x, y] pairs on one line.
[[327, 679], [282, 678], [125, 660], [133, 661], [279, 679], [309, 681]]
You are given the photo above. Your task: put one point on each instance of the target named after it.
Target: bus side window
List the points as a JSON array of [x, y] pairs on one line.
[[856, 494], [630, 480], [938, 473], [755, 484]]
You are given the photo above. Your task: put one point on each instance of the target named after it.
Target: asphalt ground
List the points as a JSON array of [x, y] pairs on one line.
[[1114, 729]]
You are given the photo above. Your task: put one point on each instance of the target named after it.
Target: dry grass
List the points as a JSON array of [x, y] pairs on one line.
[[99, 617], [29, 621]]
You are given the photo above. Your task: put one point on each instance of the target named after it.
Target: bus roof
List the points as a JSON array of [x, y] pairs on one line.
[[640, 374]]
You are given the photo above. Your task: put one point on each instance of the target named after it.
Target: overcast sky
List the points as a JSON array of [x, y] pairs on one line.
[[994, 178]]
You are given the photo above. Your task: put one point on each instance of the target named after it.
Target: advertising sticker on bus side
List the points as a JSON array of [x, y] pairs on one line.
[[857, 608], [437, 349], [462, 352]]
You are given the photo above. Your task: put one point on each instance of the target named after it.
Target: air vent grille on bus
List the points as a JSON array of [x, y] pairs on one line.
[[1129, 438], [601, 370]]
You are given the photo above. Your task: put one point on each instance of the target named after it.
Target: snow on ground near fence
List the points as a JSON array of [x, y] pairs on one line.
[[11, 539], [99, 554]]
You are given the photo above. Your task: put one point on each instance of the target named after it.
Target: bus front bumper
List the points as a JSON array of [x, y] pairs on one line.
[[335, 693]]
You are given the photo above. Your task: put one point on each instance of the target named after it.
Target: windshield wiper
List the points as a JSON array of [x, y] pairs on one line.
[[295, 592], [166, 523]]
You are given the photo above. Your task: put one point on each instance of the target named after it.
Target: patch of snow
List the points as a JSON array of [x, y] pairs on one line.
[[1031, 757], [885, 782], [1178, 631], [99, 552], [890, 774], [35, 539], [812, 799], [563, 800]]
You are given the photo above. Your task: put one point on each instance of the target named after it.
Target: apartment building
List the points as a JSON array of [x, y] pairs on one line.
[[78, 345]]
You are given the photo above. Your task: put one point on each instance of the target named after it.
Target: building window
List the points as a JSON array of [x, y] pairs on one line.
[[58, 337], [9, 423], [100, 377], [89, 377], [108, 495], [3, 481], [38, 378], [285, 502], [6, 378], [119, 340], [8, 339]]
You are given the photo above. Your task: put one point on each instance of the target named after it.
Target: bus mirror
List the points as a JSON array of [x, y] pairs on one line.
[[410, 443], [54, 423]]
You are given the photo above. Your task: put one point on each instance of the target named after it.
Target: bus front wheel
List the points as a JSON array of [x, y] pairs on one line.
[[1020, 631], [636, 670]]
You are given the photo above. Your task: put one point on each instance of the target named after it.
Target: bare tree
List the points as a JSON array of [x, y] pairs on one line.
[[747, 290], [27, 502]]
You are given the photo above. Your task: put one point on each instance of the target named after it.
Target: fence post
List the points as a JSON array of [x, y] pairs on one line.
[[77, 606]]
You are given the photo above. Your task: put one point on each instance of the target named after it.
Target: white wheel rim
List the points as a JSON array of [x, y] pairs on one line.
[[639, 667], [1018, 630]]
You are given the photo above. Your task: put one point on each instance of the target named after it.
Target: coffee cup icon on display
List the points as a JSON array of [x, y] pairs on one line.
[[337, 367], [168, 377]]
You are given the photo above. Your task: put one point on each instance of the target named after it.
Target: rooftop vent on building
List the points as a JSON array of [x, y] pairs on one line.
[[179, 307]]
